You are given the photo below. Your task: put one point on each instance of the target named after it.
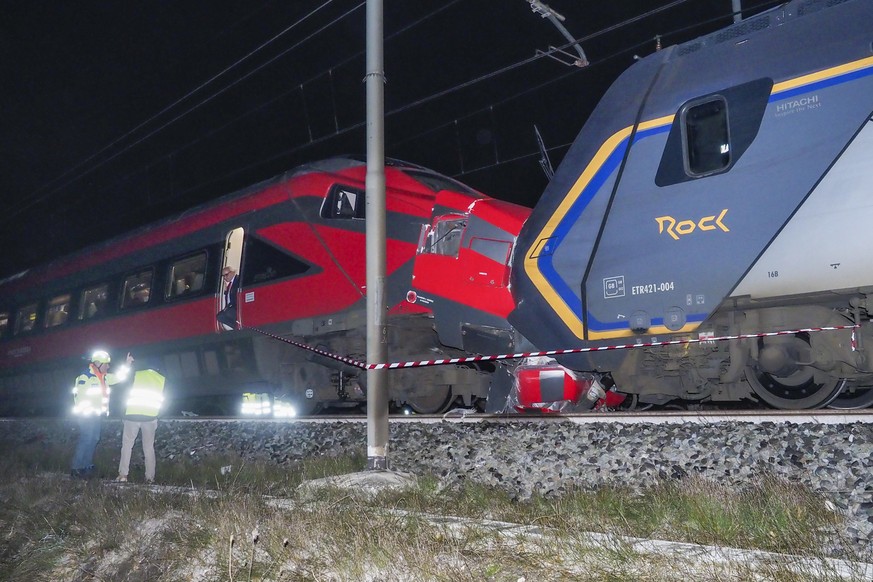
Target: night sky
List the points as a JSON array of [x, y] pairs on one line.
[[115, 114]]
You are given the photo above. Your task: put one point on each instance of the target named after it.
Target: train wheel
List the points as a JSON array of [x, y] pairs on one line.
[[853, 398], [435, 401], [798, 391]]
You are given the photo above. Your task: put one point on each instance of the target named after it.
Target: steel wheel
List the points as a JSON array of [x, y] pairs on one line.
[[853, 397], [434, 401], [798, 391]]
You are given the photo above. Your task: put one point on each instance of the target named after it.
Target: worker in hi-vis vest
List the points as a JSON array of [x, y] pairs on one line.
[[144, 401], [90, 404]]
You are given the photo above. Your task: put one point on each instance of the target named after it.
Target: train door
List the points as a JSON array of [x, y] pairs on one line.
[[232, 257]]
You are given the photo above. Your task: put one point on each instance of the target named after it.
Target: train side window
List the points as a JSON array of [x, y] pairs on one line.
[[706, 137], [25, 319], [94, 301], [265, 262], [185, 276], [344, 202], [57, 310], [137, 289], [4, 323]]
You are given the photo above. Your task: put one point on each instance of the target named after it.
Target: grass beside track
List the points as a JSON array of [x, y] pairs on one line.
[[55, 528]]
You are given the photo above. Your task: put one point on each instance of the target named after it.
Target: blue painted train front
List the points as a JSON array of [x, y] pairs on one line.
[[721, 187]]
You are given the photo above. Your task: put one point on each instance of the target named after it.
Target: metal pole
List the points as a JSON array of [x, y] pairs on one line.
[[377, 388], [737, 8]]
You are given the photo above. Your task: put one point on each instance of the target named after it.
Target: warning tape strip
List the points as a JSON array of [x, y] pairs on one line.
[[493, 358]]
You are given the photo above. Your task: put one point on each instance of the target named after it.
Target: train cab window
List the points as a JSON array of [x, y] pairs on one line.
[[344, 202], [185, 276], [94, 301], [706, 137], [57, 310], [710, 134], [4, 323], [444, 236], [137, 289], [25, 319]]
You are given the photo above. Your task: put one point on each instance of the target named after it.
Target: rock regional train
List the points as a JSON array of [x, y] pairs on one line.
[[720, 188]]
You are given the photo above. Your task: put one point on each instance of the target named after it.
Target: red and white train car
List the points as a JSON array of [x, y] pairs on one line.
[[298, 244]]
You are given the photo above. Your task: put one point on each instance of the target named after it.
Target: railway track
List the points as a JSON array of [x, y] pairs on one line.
[[647, 417]]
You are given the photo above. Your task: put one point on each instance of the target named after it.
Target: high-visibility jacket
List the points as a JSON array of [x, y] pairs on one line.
[[146, 396], [92, 389], [256, 404]]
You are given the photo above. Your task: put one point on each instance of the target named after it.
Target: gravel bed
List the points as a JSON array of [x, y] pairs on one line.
[[548, 457]]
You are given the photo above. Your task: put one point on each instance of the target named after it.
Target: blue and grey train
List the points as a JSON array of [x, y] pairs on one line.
[[722, 187]]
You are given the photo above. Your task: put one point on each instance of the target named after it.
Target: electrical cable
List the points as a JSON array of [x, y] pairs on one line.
[[353, 127], [38, 199], [281, 96], [213, 96], [404, 108], [216, 94], [388, 114]]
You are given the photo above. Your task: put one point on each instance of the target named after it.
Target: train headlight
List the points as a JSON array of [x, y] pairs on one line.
[[283, 410]]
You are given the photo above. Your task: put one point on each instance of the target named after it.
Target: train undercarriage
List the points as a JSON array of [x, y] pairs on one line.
[[312, 381], [800, 367]]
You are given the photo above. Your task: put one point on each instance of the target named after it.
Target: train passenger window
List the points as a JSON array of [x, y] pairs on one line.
[[137, 289], [185, 276], [58, 310], [4, 323], [25, 319], [706, 137], [344, 202], [94, 301]]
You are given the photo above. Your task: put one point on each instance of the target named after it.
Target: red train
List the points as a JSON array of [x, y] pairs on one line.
[[298, 244]]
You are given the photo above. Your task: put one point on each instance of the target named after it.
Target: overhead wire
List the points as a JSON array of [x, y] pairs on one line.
[[353, 127], [148, 135], [267, 103], [460, 86], [534, 153], [37, 199], [481, 78], [220, 92], [285, 94]]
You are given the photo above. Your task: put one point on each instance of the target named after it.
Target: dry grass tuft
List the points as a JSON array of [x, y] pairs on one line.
[[228, 519]]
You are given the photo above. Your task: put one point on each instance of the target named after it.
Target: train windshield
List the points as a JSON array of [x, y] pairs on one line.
[[444, 236]]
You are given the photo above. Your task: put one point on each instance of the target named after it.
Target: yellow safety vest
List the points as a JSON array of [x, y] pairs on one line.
[[91, 391], [146, 395]]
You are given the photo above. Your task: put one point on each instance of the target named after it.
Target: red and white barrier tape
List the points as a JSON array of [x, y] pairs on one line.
[[493, 358]]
